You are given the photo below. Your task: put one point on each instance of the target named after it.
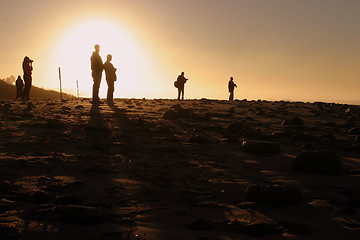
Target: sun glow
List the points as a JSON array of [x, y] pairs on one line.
[[72, 54]]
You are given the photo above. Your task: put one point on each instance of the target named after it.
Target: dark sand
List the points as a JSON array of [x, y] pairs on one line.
[[72, 171]]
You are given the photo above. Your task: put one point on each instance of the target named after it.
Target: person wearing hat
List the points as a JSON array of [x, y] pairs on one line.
[[96, 68], [231, 87], [110, 73], [27, 68]]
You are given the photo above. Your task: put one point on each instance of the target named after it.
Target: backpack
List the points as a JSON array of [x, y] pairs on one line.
[[176, 84]]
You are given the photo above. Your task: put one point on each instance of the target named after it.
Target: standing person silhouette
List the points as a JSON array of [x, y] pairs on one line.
[[96, 68], [180, 84], [110, 72], [19, 87], [27, 68], [231, 86]]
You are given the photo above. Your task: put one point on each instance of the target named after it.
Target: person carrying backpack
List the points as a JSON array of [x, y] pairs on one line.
[[180, 85]]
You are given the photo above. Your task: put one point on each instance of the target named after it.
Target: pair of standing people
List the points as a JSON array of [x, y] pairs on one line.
[[97, 67], [27, 69]]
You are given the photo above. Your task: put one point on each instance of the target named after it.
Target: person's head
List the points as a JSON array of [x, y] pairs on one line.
[[27, 59], [109, 57], [231, 78], [97, 48], [182, 73], [19, 77]]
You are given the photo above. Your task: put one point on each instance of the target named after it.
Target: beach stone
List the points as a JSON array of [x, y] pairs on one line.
[[82, 214], [253, 223], [202, 225], [357, 139], [5, 186], [324, 162], [65, 109], [261, 147], [43, 181], [38, 196], [54, 123], [354, 131], [273, 194], [163, 129], [294, 121], [30, 106], [253, 134], [169, 114], [203, 138]]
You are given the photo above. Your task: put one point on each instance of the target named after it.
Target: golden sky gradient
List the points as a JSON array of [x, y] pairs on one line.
[[275, 49]]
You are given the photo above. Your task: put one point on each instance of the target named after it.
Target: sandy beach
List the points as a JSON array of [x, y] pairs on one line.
[[167, 169]]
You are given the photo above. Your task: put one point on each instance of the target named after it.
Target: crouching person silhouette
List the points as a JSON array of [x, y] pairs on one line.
[[19, 87]]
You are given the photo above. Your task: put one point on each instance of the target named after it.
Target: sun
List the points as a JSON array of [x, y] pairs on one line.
[[73, 50]]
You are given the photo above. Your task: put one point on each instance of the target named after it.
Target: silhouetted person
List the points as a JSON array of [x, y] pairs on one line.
[[231, 86], [110, 72], [180, 84], [96, 68], [19, 87], [27, 68]]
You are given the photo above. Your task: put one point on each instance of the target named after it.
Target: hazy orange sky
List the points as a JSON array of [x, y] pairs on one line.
[[305, 50]]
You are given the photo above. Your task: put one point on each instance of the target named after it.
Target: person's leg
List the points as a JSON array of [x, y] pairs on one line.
[[30, 83], [25, 94], [182, 93], [97, 80], [231, 98], [110, 92], [179, 92], [26, 90]]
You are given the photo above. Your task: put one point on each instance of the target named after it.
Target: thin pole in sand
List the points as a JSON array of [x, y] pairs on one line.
[[60, 84], [77, 87]]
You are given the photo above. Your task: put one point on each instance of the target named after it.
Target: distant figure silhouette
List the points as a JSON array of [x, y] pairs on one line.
[[110, 72], [231, 86], [180, 85], [96, 68], [19, 87], [27, 68]]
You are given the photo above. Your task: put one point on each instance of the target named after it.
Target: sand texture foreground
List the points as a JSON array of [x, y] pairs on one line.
[[164, 169]]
